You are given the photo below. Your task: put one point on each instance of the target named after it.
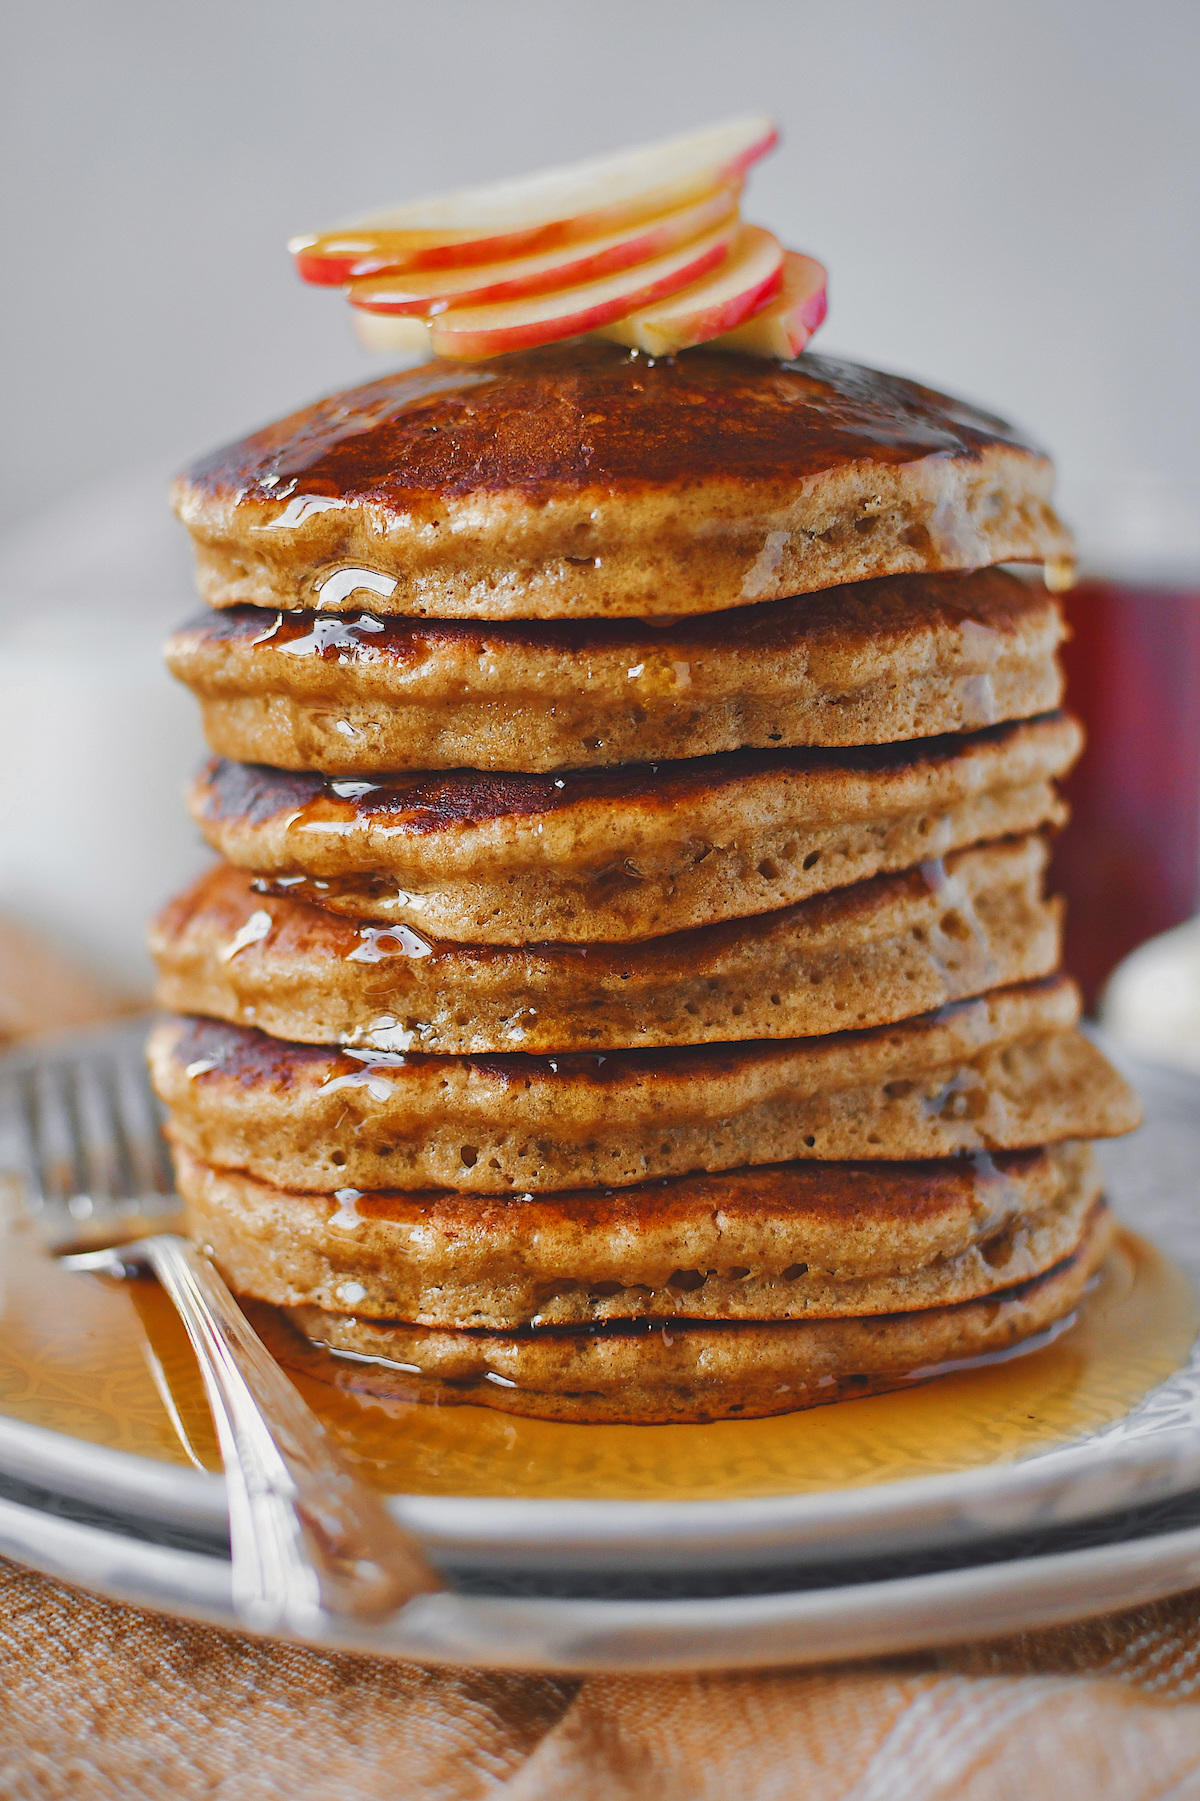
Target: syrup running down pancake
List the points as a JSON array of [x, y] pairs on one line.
[[784, 1241], [582, 480], [595, 855], [882, 950], [874, 663], [685, 1370], [1004, 1072]]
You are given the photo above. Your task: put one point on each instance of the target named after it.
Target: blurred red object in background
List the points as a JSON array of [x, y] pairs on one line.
[[1129, 861]]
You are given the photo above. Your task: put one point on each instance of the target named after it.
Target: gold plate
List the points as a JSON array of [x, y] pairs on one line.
[[108, 1363]]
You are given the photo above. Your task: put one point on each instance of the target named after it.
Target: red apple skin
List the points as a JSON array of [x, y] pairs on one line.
[[318, 267], [783, 326], [813, 317], [569, 269], [737, 165], [733, 312], [751, 280], [330, 259], [779, 330], [385, 253], [462, 334]]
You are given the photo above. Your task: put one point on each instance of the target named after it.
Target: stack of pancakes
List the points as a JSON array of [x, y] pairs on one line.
[[628, 992]]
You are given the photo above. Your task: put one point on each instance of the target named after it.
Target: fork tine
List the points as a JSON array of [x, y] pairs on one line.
[[142, 1170], [144, 1117], [67, 1083], [46, 1130], [125, 1182], [93, 1141], [164, 1169], [32, 1127]]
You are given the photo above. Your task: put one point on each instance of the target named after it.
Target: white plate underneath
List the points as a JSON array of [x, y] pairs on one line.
[[1151, 1454], [880, 1610]]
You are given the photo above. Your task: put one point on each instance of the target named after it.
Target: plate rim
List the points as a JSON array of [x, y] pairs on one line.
[[1133, 1459], [505, 1532], [585, 1636]]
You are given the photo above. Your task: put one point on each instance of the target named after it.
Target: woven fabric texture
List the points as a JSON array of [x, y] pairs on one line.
[[104, 1702]]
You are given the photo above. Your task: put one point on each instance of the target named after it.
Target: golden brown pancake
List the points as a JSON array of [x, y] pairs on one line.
[[788, 1241], [580, 480], [1004, 1072], [679, 1371], [882, 950], [877, 662], [598, 855]]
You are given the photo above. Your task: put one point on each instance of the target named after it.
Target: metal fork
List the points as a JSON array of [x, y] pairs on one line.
[[309, 1541]]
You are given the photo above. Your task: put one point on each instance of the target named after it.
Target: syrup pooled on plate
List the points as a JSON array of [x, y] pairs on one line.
[[109, 1363]]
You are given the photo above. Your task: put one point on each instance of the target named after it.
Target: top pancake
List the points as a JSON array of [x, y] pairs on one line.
[[583, 480]]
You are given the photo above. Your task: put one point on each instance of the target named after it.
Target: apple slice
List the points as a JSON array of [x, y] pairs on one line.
[[393, 334], [428, 291], [785, 325], [745, 282], [780, 330], [480, 331], [536, 212]]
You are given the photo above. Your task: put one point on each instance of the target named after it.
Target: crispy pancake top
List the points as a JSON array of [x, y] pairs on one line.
[[908, 656], [436, 801], [871, 1216], [581, 479], [219, 1058], [514, 427], [783, 1241], [848, 637], [880, 950]]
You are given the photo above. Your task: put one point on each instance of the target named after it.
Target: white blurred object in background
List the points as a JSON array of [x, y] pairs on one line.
[[1152, 1002], [95, 737]]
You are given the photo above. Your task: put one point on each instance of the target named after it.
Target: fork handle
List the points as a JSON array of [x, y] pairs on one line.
[[308, 1538]]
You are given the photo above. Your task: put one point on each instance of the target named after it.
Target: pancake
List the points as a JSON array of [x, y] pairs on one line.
[[598, 855], [1004, 1072], [909, 657], [579, 480], [789, 1241], [879, 951], [679, 1371]]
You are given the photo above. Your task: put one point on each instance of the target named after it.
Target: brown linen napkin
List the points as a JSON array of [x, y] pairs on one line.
[[106, 1703]]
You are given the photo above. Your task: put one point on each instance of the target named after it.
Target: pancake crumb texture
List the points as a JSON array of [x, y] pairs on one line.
[[683, 1371], [630, 853], [876, 663], [580, 481], [788, 1241], [883, 950], [1003, 1072]]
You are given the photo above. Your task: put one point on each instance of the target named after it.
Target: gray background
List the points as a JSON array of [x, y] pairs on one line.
[[1005, 195]]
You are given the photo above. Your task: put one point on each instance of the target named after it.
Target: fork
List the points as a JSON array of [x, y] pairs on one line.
[[310, 1543]]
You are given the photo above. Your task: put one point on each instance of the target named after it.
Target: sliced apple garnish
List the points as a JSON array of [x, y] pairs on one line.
[[537, 212], [745, 282], [425, 292], [785, 324], [780, 330], [481, 331], [393, 334]]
